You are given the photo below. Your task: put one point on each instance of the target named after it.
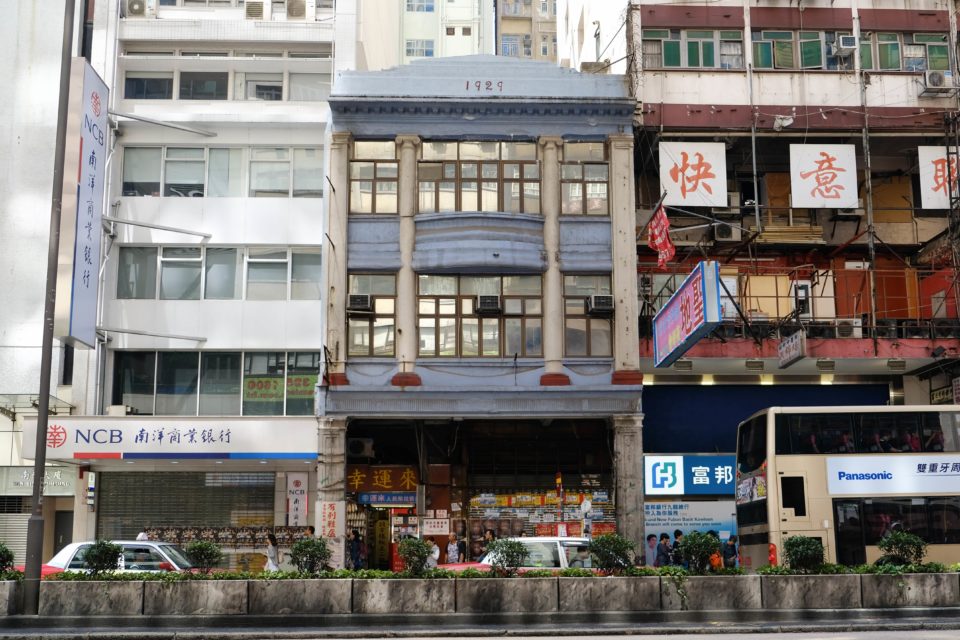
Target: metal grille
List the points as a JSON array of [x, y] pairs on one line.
[[128, 502], [13, 533]]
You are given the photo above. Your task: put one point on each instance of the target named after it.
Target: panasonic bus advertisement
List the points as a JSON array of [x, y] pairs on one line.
[[893, 475]]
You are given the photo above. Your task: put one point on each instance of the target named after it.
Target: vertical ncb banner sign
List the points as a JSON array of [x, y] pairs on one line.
[[690, 313], [83, 183], [296, 499]]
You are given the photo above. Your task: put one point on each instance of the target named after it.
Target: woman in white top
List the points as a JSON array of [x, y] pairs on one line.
[[273, 554]]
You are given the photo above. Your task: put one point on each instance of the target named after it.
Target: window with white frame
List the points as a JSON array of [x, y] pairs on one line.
[[419, 48], [148, 85], [223, 172], [585, 335], [217, 273], [372, 332], [259, 86], [584, 177], [510, 46], [373, 177], [692, 48], [420, 6]]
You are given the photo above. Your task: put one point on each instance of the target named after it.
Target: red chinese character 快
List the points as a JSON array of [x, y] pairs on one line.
[[940, 174], [700, 170], [825, 175]]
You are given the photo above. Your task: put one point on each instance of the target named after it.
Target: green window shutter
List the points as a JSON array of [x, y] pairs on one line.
[[888, 54], [778, 35], [811, 54], [731, 35], [693, 54], [671, 53], [708, 59], [656, 34], [938, 57], [783, 55], [932, 38], [763, 55], [699, 35], [866, 55]]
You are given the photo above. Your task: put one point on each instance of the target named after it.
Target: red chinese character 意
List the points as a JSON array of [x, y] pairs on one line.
[[940, 174], [825, 175], [701, 170]]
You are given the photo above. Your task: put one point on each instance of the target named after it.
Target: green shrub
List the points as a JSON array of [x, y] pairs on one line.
[[310, 555], [102, 556], [803, 554], [902, 548], [696, 549], [539, 573], [672, 571], [204, 555], [11, 574], [828, 569], [6, 558], [576, 572], [775, 570], [415, 553], [641, 572], [612, 552], [507, 556], [729, 571], [475, 573]]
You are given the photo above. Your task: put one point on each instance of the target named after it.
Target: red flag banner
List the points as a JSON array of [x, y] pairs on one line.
[[659, 237]]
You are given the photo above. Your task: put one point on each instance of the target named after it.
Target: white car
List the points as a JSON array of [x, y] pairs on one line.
[[545, 552], [144, 555]]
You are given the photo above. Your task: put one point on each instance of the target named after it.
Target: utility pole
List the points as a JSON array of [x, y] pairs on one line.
[[31, 595]]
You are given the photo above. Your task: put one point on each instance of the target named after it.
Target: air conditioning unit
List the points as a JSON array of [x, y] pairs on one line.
[[849, 327], [119, 410], [600, 305], [727, 233], [844, 46], [937, 83], [257, 9], [488, 306], [360, 447], [359, 302], [301, 10], [134, 8]]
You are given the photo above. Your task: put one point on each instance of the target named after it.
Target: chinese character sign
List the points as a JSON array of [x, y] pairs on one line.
[[332, 519], [823, 176], [694, 174], [296, 499], [380, 478], [691, 312], [935, 177], [84, 177], [689, 475]]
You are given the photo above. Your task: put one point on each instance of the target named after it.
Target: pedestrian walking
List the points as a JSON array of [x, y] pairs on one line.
[[730, 553], [456, 549], [664, 551], [355, 544], [311, 533], [434, 556], [142, 536], [677, 558], [273, 554], [650, 551]]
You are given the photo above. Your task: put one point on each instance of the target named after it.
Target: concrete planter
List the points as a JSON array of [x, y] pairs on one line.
[[811, 592], [911, 590], [195, 597], [609, 594], [404, 596], [90, 598], [299, 596], [705, 593], [10, 597], [507, 595]]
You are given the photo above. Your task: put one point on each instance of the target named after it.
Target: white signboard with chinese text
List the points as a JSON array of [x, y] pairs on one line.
[[792, 349], [896, 474], [83, 182], [296, 499], [151, 438], [436, 526], [823, 176], [934, 181], [57, 481], [702, 516], [694, 174], [332, 519]]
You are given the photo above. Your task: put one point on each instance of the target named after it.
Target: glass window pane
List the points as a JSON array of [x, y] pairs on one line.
[[263, 383], [183, 179], [184, 153], [571, 194], [533, 306], [137, 273], [266, 281], [531, 171], [533, 337], [584, 151], [763, 55], [428, 197], [361, 197], [469, 196], [479, 150], [479, 285], [586, 285], [491, 336], [439, 150], [428, 336], [303, 372], [889, 56], [600, 337], [383, 336], [220, 384], [811, 54], [305, 276], [448, 196], [386, 170], [384, 305], [145, 86], [596, 172], [447, 337], [177, 383], [309, 87], [938, 57], [133, 380], [179, 280], [571, 172], [375, 150], [671, 53], [511, 197], [693, 54], [783, 57], [512, 306], [427, 306], [200, 85], [597, 198], [269, 179], [521, 285], [866, 55], [575, 336], [386, 197], [307, 173], [513, 336], [361, 170], [469, 337], [225, 173], [519, 150], [531, 197], [358, 337], [141, 171], [372, 284], [269, 153], [222, 274]]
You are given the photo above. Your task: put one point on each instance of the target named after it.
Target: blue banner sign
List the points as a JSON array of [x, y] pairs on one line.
[[387, 498], [689, 475], [690, 313]]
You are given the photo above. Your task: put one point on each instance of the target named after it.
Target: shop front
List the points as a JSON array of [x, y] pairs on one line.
[[225, 480]]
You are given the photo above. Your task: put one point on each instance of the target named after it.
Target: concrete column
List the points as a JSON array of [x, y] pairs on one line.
[[623, 231], [335, 256], [552, 279], [332, 479], [628, 474], [406, 278]]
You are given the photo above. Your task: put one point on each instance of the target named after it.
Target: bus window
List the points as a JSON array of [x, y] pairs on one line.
[[752, 444], [792, 495], [884, 516], [944, 520], [813, 434], [878, 434]]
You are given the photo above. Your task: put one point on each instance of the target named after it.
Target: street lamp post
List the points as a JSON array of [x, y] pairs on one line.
[[31, 595]]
